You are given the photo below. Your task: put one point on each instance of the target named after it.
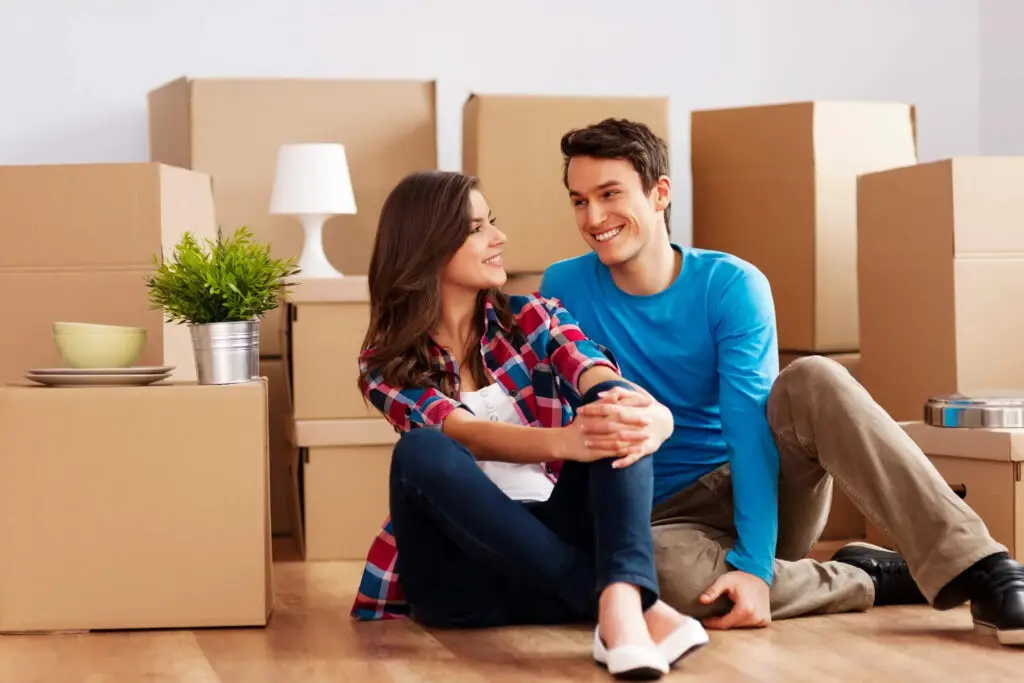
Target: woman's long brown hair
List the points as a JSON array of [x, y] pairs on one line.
[[423, 223]]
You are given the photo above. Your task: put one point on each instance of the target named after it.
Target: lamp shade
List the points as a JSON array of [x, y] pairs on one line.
[[312, 178]]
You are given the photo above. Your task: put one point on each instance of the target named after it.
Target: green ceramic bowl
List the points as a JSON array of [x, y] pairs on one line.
[[94, 328], [100, 350]]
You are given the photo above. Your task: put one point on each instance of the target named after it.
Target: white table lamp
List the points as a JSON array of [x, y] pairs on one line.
[[312, 182]]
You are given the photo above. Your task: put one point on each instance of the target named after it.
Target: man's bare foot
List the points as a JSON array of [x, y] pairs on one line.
[[662, 620], [621, 618]]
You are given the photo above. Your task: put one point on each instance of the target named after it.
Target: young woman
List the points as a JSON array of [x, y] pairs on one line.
[[506, 507]]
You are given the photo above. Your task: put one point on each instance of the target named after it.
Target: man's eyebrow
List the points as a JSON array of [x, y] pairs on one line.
[[603, 186]]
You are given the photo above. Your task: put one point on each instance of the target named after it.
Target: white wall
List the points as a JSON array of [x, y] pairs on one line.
[[1002, 77], [75, 72]]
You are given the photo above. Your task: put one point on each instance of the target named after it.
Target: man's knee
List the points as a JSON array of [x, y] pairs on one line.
[[812, 370], [688, 561], [802, 383]]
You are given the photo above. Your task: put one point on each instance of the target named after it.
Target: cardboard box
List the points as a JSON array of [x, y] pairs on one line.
[[341, 486], [134, 507], [511, 142], [233, 128], [777, 186], [985, 465], [283, 453], [523, 284], [941, 265], [327, 322], [77, 243], [845, 521]]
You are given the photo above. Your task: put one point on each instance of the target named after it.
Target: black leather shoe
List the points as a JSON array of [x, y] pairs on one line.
[[888, 571], [997, 600]]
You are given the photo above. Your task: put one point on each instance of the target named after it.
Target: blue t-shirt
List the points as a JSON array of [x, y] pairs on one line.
[[707, 348]]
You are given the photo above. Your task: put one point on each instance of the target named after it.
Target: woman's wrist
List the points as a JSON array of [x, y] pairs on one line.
[[554, 443]]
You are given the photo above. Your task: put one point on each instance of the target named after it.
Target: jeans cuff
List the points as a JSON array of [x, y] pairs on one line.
[[649, 593]]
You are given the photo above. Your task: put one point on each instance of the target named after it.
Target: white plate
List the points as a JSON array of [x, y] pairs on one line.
[[97, 380], [140, 370]]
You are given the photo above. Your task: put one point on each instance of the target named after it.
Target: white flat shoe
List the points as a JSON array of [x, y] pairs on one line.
[[630, 662], [689, 637]]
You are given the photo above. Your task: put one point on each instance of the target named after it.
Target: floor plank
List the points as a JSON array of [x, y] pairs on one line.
[[311, 639]]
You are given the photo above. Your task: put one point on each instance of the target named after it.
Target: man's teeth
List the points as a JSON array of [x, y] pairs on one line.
[[604, 236]]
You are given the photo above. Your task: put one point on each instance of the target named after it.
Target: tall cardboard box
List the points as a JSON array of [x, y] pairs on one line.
[[941, 265], [233, 128], [985, 465], [134, 507], [511, 142], [283, 453], [776, 185], [845, 521], [328, 319], [76, 245], [341, 486]]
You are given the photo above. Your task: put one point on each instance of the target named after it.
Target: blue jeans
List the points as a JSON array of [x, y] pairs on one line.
[[471, 557]]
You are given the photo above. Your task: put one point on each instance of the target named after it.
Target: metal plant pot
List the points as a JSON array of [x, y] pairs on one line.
[[227, 353]]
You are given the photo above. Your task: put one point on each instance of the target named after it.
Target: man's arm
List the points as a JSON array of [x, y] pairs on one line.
[[748, 363]]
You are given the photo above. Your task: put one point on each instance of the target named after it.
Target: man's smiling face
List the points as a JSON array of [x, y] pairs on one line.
[[613, 213]]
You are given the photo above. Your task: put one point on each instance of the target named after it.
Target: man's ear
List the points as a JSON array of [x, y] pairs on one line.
[[662, 193]]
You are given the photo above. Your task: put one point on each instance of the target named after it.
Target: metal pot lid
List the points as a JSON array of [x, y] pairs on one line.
[[999, 408]]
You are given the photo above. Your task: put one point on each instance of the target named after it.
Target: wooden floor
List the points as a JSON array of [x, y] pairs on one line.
[[311, 639]]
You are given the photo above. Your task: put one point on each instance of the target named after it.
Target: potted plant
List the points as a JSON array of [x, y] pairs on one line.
[[221, 290]]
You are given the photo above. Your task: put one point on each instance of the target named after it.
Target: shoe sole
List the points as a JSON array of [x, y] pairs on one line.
[[686, 654], [639, 674], [1014, 637]]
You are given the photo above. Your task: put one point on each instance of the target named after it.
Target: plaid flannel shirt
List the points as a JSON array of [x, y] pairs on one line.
[[540, 369]]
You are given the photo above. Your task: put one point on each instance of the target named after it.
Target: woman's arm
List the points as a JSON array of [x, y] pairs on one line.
[[505, 442], [414, 408]]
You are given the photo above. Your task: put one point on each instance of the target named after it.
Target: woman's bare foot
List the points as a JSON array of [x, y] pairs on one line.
[[662, 620], [621, 618]]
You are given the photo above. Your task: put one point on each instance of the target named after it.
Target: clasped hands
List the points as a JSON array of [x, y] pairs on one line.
[[622, 424]]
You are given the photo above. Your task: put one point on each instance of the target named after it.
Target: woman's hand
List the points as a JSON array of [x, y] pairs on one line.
[[595, 437], [619, 412]]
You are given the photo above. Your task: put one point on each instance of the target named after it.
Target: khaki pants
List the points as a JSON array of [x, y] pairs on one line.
[[827, 429]]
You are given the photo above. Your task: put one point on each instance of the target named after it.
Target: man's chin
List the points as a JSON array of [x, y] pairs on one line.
[[613, 257]]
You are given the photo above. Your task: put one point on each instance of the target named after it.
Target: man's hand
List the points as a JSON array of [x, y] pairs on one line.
[[609, 415], [749, 594]]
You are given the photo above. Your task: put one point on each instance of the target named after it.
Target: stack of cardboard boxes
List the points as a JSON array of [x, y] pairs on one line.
[[777, 186], [232, 129], [341, 478], [511, 143], [120, 507], [941, 265]]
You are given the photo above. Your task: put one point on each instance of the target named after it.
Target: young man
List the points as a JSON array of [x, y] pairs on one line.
[[743, 487]]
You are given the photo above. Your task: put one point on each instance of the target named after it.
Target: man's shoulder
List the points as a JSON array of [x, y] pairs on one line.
[[567, 273], [721, 265]]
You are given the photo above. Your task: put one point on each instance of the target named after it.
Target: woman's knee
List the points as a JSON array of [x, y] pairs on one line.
[[425, 450]]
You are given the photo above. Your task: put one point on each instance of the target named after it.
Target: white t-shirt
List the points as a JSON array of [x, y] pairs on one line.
[[519, 481]]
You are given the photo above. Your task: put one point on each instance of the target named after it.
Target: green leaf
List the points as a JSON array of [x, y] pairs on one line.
[[226, 280]]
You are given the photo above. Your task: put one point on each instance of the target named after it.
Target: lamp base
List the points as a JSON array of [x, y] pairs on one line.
[[313, 263]]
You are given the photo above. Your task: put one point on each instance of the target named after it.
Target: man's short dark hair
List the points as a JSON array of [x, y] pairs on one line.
[[620, 139]]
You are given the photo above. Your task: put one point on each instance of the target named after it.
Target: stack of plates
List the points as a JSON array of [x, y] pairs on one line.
[[99, 377]]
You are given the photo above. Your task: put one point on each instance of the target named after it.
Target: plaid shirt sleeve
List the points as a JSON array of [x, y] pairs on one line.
[[559, 338], [380, 593], [405, 408]]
